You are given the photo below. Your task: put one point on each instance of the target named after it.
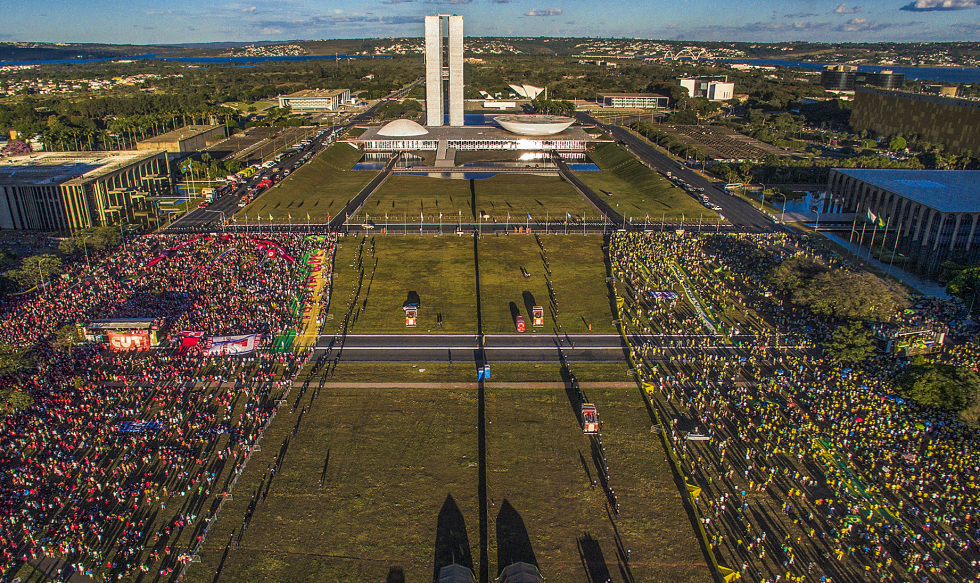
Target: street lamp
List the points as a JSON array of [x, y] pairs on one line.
[[783, 213]]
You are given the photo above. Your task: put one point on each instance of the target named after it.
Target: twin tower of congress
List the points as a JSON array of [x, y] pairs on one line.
[[436, 73]]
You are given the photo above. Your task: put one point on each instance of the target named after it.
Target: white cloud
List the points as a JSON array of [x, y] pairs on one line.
[[249, 9], [545, 12], [932, 5], [843, 9]]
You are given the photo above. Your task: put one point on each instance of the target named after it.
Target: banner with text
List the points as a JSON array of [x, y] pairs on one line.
[[228, 345], [129, 341]]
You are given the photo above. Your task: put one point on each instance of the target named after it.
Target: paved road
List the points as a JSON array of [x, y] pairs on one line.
[[536, 347], [738, 212]]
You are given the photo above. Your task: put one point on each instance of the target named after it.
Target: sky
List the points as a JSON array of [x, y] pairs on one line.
[[184, 21]]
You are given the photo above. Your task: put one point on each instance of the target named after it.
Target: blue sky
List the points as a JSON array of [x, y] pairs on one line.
[[177, 21]]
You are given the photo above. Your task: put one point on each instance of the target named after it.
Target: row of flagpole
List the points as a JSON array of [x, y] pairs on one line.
[[876, 220]]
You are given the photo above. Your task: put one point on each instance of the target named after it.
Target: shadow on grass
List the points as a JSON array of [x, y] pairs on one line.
[[592, 559], [395, 575], [452, 543], [529, 302], [514, 312], [513, 543]]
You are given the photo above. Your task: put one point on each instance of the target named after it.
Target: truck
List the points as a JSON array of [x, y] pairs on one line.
[[590, 418], [208, 194]]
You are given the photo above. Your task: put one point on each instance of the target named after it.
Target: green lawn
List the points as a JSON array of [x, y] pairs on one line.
[[389, 460], [578, 276], [503, 194], [541, 466], [399, 467], [321, 187], [638, 190], [439, 269]]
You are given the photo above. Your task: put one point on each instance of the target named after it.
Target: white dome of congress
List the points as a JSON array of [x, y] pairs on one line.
[[534, 125], [402, 128]]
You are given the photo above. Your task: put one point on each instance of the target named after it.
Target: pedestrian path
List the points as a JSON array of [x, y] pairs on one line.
[[693, 299], [315, 284], [920, 285]]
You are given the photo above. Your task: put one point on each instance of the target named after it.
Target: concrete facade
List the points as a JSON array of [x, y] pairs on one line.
[[315, 100], [433, 71], [950, 121], [67, 191], [930, 216], [714, 88], [435, 101], [184, 140], [455, 70], [634, 100]]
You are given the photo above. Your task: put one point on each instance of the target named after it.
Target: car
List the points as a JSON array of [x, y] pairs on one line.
[[368, 225]]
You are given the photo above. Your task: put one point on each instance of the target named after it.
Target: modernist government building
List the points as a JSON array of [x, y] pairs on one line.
[[930, 216], [445, 130]]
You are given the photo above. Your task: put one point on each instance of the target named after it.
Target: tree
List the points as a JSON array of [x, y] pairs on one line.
[[684, 117], [795, 273], [93, 239], [849, 295], [955, 388], [12, 360], [965, 286], [36, 269], [65, 338], [897, 143], [849, 344]]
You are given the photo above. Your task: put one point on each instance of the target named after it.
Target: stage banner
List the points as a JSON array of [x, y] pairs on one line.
[[227, 345], [129, 342]]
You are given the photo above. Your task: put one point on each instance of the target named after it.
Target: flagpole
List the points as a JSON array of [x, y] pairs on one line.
[[853, 226], [873, 233], [885, 242], [891, 261], [861, 240]]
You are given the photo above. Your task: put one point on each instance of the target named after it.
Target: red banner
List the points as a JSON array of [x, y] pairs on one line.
[[189, 340], [129, 342]]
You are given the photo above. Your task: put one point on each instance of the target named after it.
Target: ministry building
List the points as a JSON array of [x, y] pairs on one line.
[[68, 191]]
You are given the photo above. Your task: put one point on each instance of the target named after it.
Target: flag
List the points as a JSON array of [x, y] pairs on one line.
[[529, 216], [307, 217], [872, 217], [234, 220], [270, 217], [290, 215], [568, 215]]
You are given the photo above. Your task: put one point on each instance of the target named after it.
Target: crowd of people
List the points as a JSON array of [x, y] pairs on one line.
[[809, 470], [121, 461]]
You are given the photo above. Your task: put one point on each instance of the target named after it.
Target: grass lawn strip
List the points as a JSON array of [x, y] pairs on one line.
[[540, 473], [439, 270], [387, 460], [577, 275], [409, 198], [319, 188], [637, 191]]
